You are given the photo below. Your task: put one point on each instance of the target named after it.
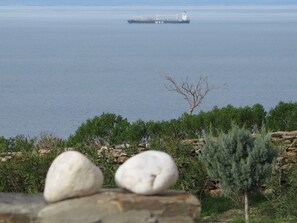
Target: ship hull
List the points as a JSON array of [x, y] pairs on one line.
[[159, 21]]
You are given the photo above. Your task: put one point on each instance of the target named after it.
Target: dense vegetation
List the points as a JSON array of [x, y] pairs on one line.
[[26, 172], [114, 129]]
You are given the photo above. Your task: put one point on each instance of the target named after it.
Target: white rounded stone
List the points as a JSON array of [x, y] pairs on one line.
[[72, 175], [147, 173]]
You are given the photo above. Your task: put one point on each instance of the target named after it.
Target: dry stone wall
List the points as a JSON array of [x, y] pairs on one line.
[[286, 142], [108, 206]]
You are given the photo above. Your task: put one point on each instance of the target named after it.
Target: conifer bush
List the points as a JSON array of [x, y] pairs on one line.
[[239, 160]]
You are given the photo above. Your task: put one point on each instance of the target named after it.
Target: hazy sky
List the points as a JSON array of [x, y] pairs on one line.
[[148, 2]]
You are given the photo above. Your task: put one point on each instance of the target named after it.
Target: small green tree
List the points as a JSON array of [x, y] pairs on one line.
[[239, 160]]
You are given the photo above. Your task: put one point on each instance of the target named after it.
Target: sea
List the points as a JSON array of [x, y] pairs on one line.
[[60, 66]]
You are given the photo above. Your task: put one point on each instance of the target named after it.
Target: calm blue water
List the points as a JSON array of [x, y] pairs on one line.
[[62, 65]]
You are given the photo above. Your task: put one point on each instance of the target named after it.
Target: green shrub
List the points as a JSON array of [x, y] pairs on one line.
[[222, 119], [283, 117], [258, 117], [157, 129], [284, 197], [25, 173], [136, 133], [190, 126], [49, 141], [106, 162], [21, 143], [105, 129], [4, 145], [192, 174], [16, 144]]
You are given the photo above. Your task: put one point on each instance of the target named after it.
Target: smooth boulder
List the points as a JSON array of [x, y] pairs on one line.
[[147, 173], [72, 175]]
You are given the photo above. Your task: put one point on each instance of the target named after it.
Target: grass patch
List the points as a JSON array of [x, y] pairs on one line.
[[225, 209], [212, 206]]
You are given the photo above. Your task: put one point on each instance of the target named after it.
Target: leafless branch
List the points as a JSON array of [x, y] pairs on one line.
[[192, 93]]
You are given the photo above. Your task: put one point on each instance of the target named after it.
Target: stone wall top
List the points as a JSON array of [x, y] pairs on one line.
[[108, 206]]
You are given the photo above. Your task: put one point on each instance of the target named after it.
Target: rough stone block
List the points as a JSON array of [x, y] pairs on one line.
[[108, 206], [20, 208]]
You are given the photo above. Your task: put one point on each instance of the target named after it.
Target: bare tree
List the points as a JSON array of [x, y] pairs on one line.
[[192, 93]]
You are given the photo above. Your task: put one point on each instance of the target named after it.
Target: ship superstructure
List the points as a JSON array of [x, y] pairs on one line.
[[163, 18]]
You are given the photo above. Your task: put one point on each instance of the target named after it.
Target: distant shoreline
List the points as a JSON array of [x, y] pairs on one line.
[[153, 6]]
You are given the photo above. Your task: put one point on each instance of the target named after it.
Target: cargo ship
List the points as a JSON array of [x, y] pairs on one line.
[[163, 19]]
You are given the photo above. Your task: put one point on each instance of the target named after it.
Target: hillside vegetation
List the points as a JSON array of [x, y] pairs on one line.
[[25, 160]]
